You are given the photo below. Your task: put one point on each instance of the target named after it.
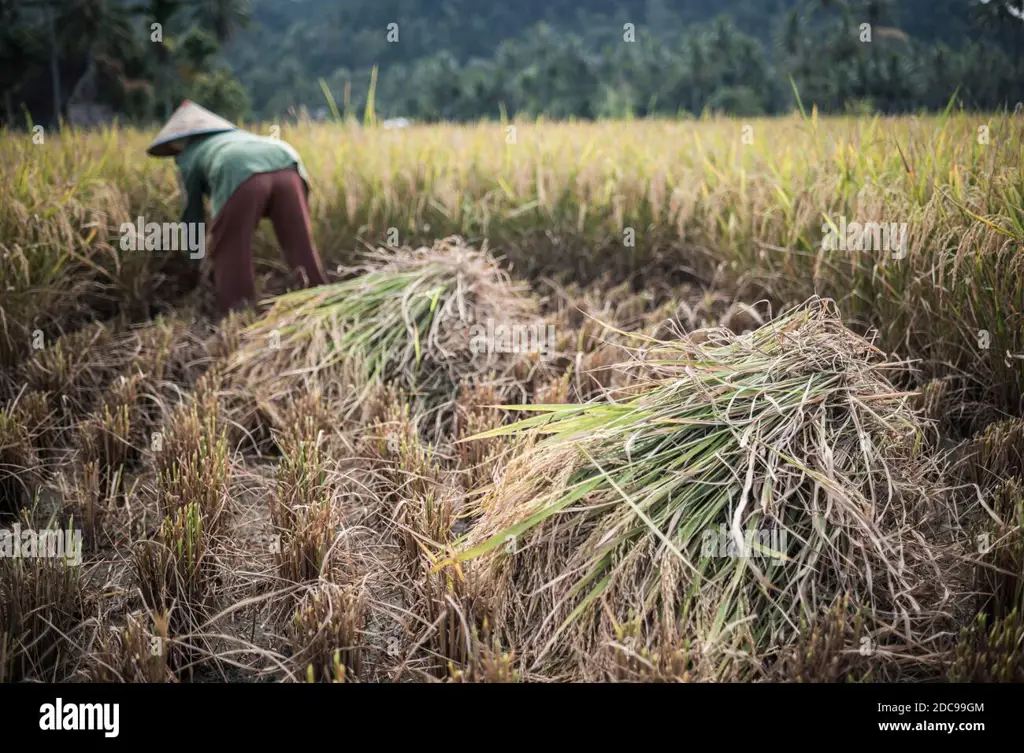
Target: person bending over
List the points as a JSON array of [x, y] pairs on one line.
[[247, 178]]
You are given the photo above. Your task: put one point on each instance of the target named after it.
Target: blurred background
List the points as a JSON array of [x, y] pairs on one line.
[[91, 61]]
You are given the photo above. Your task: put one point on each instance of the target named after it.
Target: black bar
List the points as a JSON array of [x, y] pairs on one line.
[[201, 715]]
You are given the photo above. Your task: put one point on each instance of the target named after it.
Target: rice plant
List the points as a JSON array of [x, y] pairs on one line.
[[19, 464], [43, 600], [792, 431], [407, 318], [617, 534], [327, 634], [302, 511], [175, 571], [133, 653], [990, 650], [192, 464]]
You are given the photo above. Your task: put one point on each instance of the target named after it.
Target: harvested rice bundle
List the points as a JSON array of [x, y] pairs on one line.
[[741, 487], [417, 317]]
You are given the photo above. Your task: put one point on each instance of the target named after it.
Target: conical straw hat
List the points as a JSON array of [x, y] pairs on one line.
[[188, 120]]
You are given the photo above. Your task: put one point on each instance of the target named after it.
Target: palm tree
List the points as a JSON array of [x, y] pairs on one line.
[[222, 17], [50, 9], [1004, 18], [792, 37], [874, 12], [877, 11], [105, 28], [194, 52], [996, 13], [164, 13], [20, 46], [100, 21]]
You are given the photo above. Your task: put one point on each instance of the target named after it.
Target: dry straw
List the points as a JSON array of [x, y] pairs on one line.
[[739, 487], [407, 317]]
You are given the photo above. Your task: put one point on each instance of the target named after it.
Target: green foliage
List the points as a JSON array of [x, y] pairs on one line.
[[197, 48], [144, 57], [221, 92], [460, 60], [740, 101]]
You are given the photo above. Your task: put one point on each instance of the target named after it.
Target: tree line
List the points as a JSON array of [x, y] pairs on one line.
[[136, 60], [461, 60]]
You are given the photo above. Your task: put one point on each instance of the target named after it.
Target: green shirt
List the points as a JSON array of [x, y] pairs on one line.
[[217, 165]]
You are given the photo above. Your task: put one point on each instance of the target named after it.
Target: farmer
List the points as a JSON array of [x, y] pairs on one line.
[[248, 177]]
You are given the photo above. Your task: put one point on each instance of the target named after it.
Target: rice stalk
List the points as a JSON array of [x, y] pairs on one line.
[[302, 511], [327, 633], [175, 571], [133, 653], [990, 650], [19, 464], [406, 318], [776, 472], [42, 601]]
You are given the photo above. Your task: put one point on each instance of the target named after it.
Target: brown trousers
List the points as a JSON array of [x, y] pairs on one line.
[[281, 196]]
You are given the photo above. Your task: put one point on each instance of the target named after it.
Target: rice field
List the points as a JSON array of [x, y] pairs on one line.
[[618, 401]]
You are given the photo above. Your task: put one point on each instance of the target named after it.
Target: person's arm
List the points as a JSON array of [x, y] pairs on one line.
[[194, 187]]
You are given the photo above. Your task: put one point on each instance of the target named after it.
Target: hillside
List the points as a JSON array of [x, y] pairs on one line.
[[323, 36], [455, 59], [458, 60]]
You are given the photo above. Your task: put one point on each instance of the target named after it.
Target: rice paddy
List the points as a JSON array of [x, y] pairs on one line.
[[620, 401]]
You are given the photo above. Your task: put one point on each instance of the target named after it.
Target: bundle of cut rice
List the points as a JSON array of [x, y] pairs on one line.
[[743, 488], [419, 318]]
